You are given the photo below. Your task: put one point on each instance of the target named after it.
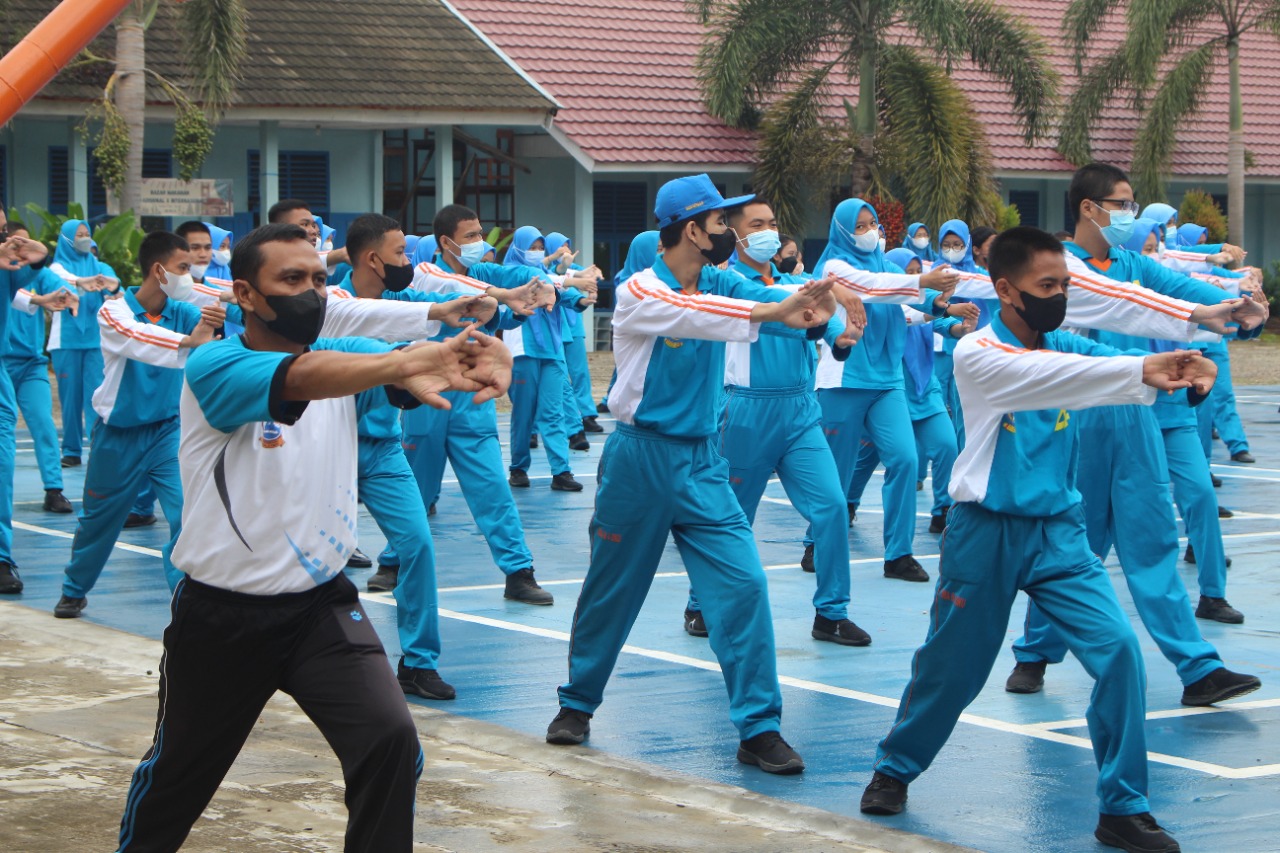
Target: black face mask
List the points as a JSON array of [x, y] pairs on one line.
[[722, 246], [787, 266], [1043, 313], [396, 279], [299, 318]]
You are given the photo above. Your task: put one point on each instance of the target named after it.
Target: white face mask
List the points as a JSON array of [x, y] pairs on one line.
[[176, 286], [952, 256], [198, 270], [882, 242], [84, 245], [222, 257], [867, 241], [920, 242], [534, 258]]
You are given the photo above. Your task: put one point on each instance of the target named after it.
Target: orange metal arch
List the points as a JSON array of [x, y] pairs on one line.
[[47, 49]]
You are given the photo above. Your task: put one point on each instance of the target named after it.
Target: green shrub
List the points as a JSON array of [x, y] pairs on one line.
[[1200, 208], [118, 238]]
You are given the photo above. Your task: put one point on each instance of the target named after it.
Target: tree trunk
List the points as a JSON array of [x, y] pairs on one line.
[[1235, 150], [131, 100], [865, 122]]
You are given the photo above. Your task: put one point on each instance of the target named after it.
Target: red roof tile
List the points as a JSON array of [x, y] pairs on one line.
[[623, 70]]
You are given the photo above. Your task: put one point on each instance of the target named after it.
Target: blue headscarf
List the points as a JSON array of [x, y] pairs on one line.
[[961, 230], [325, 231], [216, 236], [1141, 231], [1190, 234], [925, 254], [489, 249], [1159, 212], [640, 256], [525, 236], [81, 265], [410, 243], [900, 257], [424, 251], [840, 239], [554, 240]]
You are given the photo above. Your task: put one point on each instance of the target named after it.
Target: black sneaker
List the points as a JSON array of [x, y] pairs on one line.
[[564, 482], [426, 683], [69, 608], [589, 424], [602, 407], [919, 485], [1026, 677], [1219, 686], [853, 514], [518, 478], [1223, 512], [533, 442], [694, 625], [522, 587], [1216, 480], [56, 501], [359, 560], [840, 631], [1190, 556], [578, 441], [70, 461], [569, 727], [905, 568], [885, 795], [1136, 833], [1218, 610], [10, 582], [770, 753], [806, 562], [938, 523], [1243, 456], [384, 579], [135, 520], [431, 510]]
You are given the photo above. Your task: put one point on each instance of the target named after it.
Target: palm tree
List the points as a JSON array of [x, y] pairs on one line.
[[769, 64], [1166, 62], [216, 31]]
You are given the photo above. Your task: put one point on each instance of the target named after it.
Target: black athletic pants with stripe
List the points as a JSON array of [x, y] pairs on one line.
[[225, 655]]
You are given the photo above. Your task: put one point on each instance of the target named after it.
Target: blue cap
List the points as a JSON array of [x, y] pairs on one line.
[[685, 198]]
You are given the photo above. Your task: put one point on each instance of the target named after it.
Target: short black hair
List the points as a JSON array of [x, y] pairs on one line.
[[1013, 250], [158, 247], [366, 231], [980, 235], [13, 226], [246, 260], [285, 205], [784, 239], [192, 226], [669, 235], [732, 213], [1096, 180], [447, 220]]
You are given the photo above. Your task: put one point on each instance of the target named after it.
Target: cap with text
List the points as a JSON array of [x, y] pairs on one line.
[[684, 198]]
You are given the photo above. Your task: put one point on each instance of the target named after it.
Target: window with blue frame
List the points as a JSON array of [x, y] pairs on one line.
[[302, 175], [622, 211], [1028, 204], [59, 179]]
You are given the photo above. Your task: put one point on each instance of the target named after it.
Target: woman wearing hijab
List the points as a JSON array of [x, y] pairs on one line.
[[917, 242], [864, 395], [935, 436], [220, 266], [956, 245], [579, 408], [74, 345], [538, 375]]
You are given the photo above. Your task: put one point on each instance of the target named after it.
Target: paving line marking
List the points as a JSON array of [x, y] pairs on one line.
[[1169, 714], [1036, 731]]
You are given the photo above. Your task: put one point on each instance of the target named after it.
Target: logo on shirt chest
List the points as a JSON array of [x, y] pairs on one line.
[[272, 435], [674, 343]]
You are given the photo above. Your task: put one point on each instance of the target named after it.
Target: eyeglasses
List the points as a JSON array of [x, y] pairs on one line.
[[1126, 205]]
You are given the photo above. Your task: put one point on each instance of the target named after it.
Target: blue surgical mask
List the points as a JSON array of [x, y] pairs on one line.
[[1171, 234], [472, 253], [762, 245], [1121, 227], [534, 259]]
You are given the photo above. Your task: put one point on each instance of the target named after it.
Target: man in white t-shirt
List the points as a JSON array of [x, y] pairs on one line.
[[264, 605]]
